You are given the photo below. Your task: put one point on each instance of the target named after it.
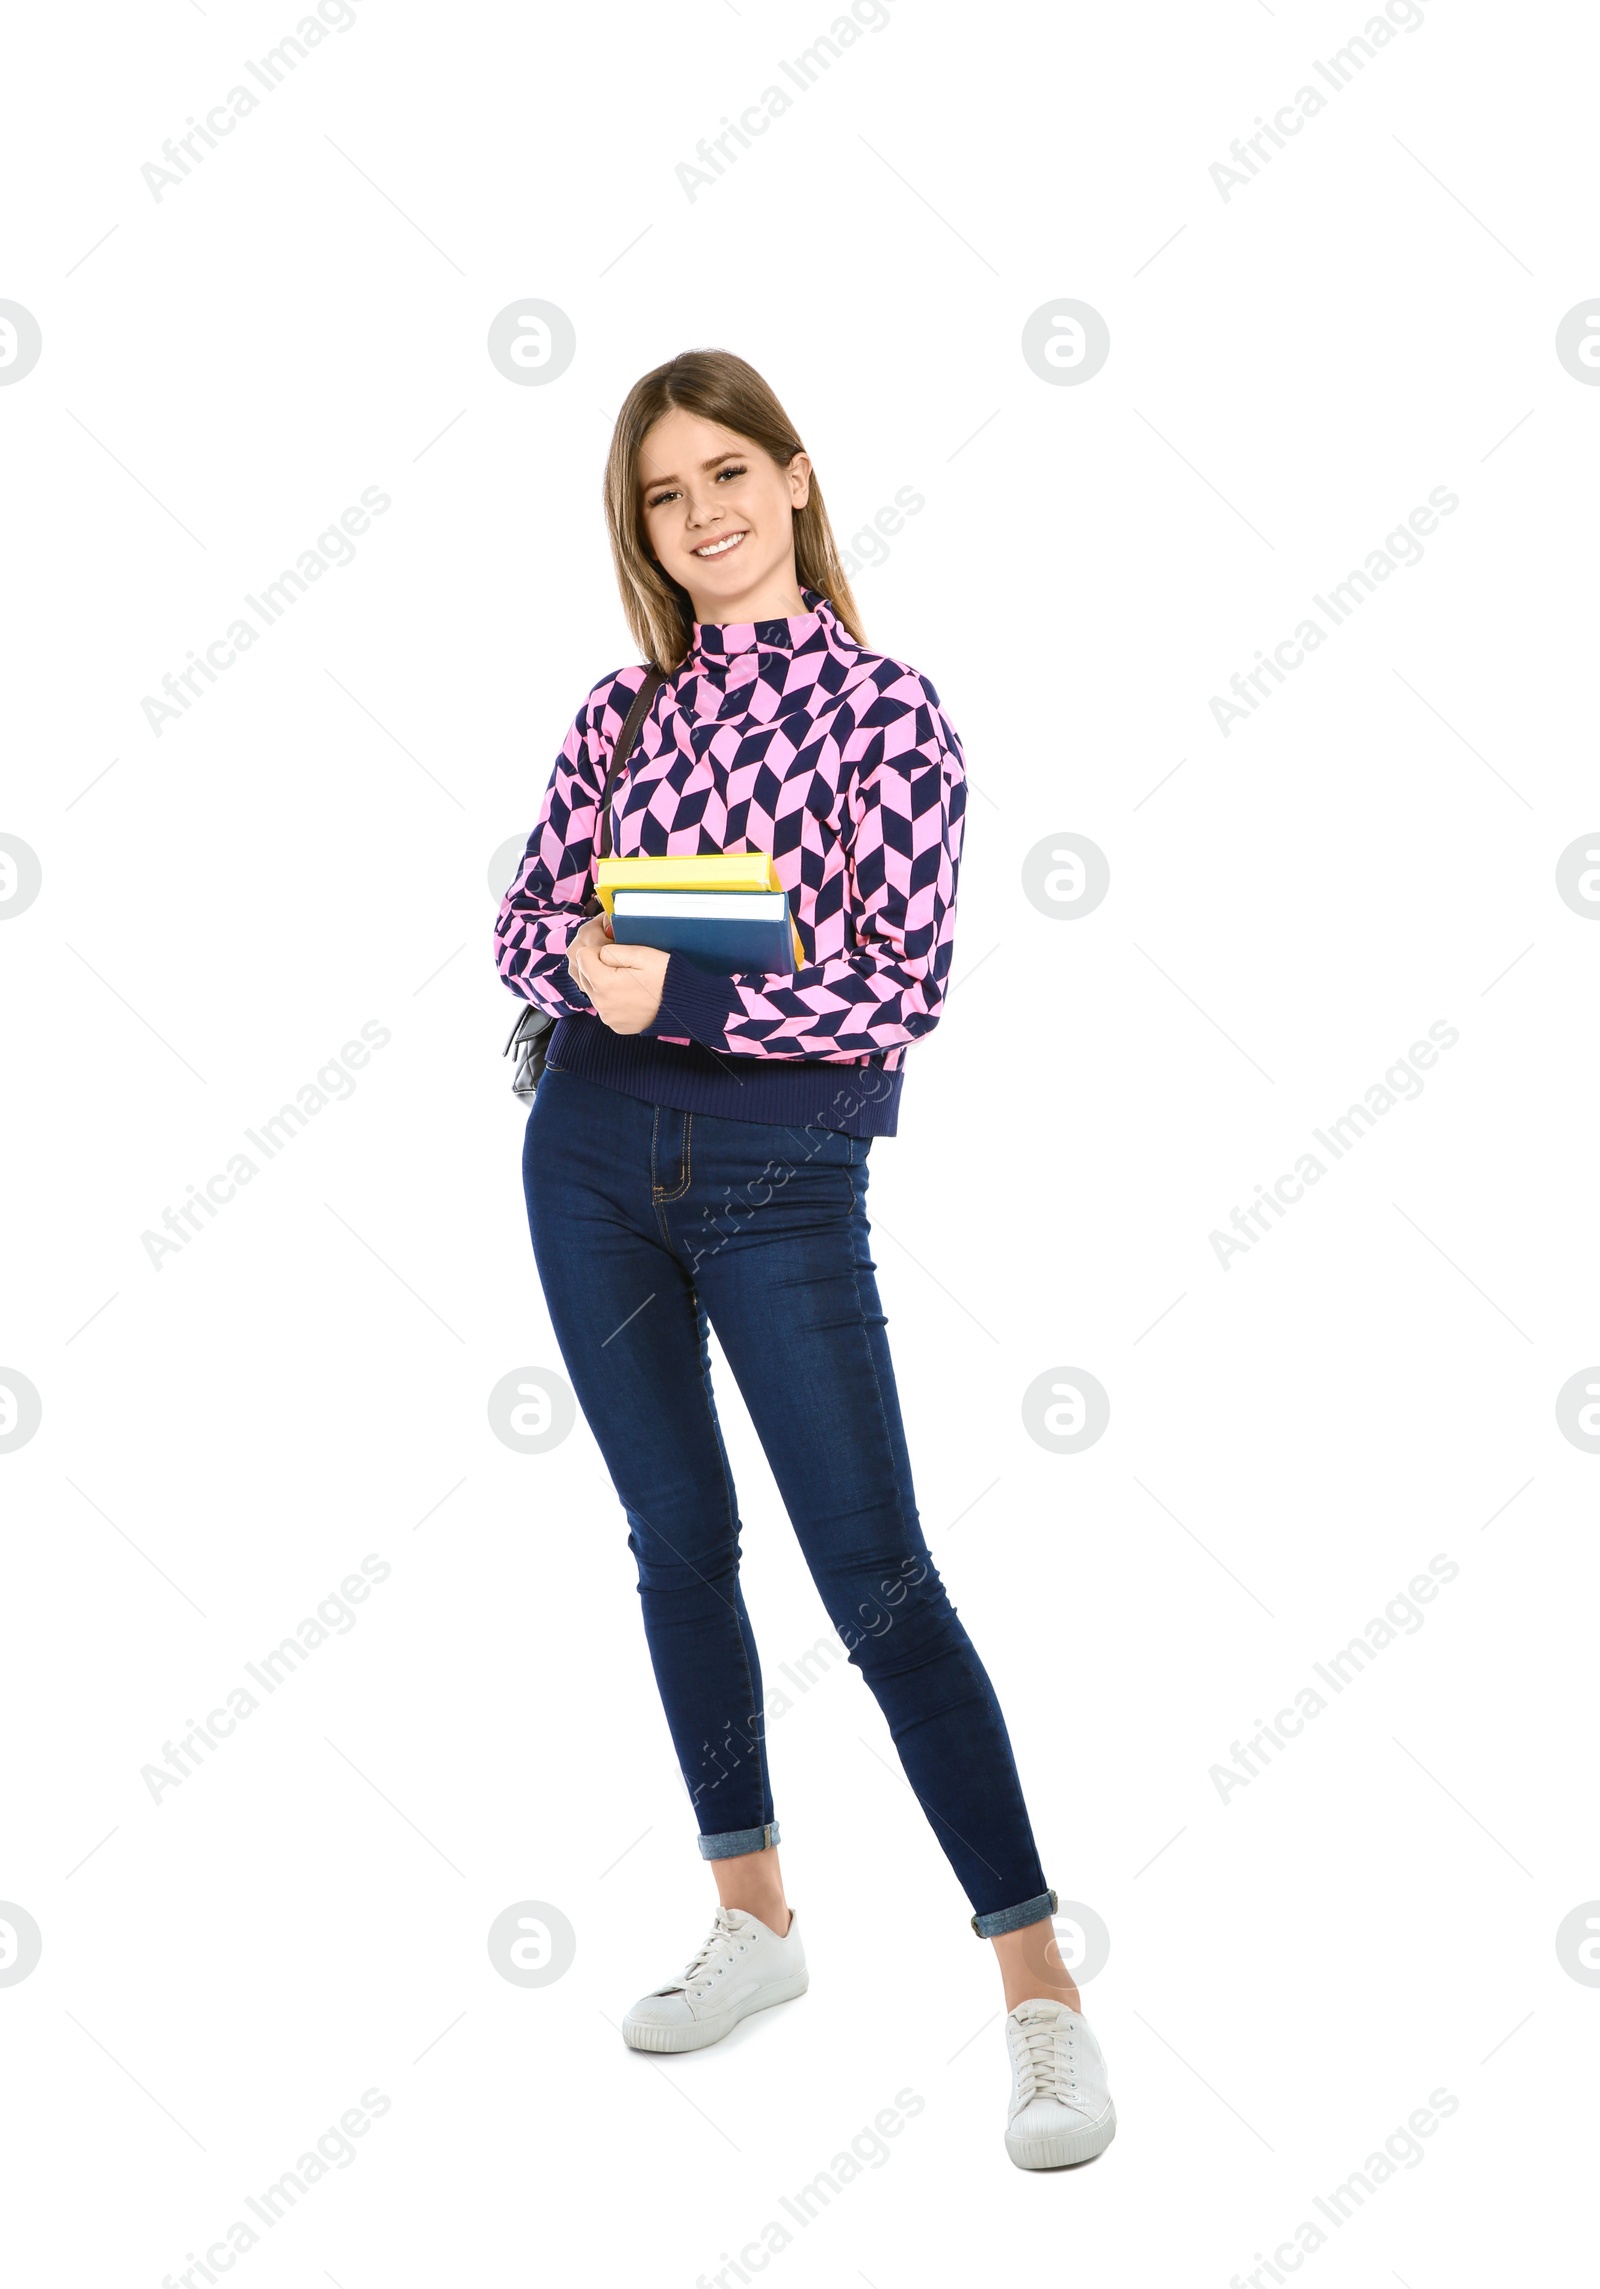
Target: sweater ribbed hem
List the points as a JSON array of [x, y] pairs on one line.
[[794, 1092]]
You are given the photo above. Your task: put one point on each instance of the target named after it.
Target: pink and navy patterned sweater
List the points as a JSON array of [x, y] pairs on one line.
[[789, 737]]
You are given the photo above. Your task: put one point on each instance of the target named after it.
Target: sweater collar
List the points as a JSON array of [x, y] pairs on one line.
[[718, 644]]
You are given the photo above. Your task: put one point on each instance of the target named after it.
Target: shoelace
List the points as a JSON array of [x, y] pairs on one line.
[[1046, 2069], [722, 1938]]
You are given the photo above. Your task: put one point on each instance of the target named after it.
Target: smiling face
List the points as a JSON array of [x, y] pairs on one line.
[[718, 516]]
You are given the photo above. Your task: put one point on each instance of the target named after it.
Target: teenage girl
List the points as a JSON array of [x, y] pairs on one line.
[[697, 1153]]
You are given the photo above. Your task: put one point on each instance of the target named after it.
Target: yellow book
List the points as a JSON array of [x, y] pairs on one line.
[[711, 870]]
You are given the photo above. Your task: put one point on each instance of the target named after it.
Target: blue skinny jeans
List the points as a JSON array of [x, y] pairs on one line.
[[648, 1224]]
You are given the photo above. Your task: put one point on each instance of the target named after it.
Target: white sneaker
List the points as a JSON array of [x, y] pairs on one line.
[[743, 1967], [1061, 2108]]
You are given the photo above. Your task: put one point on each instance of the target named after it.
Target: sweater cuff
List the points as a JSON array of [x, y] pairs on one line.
[[695, 1002]]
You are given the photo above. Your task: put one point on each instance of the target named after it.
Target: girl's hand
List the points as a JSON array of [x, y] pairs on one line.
[[627, 990], [622, 982], [583, 949]]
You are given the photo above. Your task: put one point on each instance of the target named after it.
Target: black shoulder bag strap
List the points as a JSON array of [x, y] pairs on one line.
[[620, 755], [528, 1035]]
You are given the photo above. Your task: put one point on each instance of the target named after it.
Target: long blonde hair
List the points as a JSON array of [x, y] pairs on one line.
[[718, 387]]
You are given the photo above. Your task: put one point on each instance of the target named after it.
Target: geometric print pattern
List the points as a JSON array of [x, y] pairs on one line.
[[789, 737]]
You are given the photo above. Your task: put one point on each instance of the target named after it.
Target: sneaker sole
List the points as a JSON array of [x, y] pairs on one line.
[[1062, 2149], [641, 2035]]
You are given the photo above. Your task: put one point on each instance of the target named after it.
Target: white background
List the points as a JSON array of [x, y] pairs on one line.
[[1291, 1439]]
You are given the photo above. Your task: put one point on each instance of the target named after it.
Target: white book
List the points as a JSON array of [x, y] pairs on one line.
[[700, 905]]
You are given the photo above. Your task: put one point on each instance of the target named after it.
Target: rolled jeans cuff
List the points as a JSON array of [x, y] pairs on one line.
[[737, 1840], [1011, 1918]]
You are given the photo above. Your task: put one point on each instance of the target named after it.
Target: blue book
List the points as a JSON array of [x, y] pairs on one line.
[[720, 930]]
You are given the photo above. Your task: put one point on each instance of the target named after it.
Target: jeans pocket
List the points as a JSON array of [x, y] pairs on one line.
[[778, 1186], [811, 1147]]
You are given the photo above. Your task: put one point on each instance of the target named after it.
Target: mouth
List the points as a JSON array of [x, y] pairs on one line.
[[723, 545]]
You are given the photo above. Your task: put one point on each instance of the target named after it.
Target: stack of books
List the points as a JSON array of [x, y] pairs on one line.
[[727, 911]]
